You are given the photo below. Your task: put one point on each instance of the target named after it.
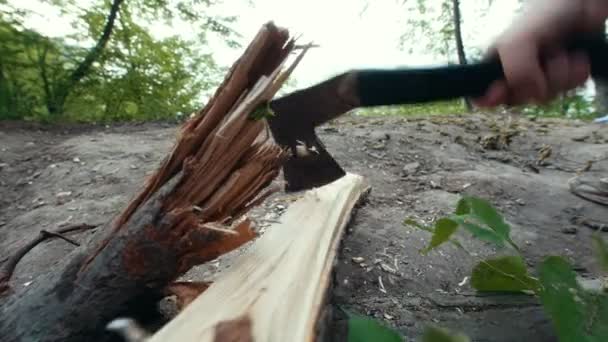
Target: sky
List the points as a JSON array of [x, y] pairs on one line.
[[350, 33]]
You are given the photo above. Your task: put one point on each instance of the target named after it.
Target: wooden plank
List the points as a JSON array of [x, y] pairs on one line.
[[275, 291]]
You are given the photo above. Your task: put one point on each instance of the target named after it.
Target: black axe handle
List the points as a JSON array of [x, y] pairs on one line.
[[405, 86]]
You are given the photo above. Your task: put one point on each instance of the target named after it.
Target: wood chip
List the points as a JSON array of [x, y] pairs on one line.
[[386, 268], [358, 260], [382, 289]]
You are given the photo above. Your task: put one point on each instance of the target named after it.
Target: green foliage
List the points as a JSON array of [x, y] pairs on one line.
[[483, 221], [263, 111], [504, 274], [436, 334], [476, 216], [363, 329], [577, 314], [444, 228], [433, 108], [574, 106], [601, 250], [135, 77], [434, 21]]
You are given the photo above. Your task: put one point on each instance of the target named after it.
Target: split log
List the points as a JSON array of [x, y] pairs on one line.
[[189, 212], [276, 290]]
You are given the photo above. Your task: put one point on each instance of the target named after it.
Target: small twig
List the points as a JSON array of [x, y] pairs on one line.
[[59, 235], [592, 224], [6, 272]]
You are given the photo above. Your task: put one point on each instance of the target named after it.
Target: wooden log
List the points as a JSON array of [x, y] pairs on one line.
[[189, 212], [276, 290]]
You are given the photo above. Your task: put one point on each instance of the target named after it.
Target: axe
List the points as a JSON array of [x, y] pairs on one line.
[[296, 115]]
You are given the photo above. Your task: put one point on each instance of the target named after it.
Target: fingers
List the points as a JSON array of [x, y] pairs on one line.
[[495, 95], [524, 74], [527, 81], [580, 69], [567, 71], [535, 68], [558, 73]]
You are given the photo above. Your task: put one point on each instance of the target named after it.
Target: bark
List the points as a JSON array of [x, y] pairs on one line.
[[55, 104], [189, 212], [462, 57]]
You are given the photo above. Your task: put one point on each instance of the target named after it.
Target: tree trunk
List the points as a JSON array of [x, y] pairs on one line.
[[56, 103], [462, 58], [188, 213], [601, 96], [5, 95]]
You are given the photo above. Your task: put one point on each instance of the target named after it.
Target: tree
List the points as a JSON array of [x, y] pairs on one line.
[[462, 57], [127, 74], [57, 99], [601, 96], [440, 23]]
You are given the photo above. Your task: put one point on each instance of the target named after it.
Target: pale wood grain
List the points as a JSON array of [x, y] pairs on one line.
[[275, 290]]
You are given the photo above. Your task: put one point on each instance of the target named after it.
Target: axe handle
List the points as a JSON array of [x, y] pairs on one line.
[[406, 86]]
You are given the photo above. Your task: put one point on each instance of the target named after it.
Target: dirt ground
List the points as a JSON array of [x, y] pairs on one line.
[[52, 177]]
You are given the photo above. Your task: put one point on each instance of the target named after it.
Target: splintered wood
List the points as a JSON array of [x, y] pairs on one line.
[[224, 158], [275, 290]]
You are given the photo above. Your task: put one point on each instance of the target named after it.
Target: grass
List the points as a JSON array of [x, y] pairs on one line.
[[423, 109], [574, 107]]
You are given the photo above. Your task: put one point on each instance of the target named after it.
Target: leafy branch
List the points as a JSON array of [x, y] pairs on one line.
[[575, 312]]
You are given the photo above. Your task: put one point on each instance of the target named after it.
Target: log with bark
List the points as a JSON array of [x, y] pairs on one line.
[[189, 212]]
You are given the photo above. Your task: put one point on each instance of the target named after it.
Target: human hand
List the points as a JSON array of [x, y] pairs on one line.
[[537, 68]]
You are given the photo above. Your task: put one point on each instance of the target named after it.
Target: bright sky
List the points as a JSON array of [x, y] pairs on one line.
[[350, 34]]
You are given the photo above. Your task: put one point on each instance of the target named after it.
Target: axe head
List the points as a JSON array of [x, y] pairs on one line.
[[295, 117], [309, 165]]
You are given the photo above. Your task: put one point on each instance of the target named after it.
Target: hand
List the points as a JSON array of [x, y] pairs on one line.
[[537, 67]]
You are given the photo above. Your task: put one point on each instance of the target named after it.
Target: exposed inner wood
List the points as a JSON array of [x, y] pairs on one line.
[[275, 291]]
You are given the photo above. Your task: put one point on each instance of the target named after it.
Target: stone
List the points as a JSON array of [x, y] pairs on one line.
[[410, 169]]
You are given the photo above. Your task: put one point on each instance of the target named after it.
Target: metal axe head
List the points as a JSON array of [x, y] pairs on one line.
[[295, 117]]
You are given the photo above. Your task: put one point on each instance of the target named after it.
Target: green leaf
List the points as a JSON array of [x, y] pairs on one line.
[[444, 228], [262, 111], [601, 250], [463, 208], [484, 211], [482, 220], [363, 329], [435, 334], [577, 315], [505, 274], [480, 233]]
